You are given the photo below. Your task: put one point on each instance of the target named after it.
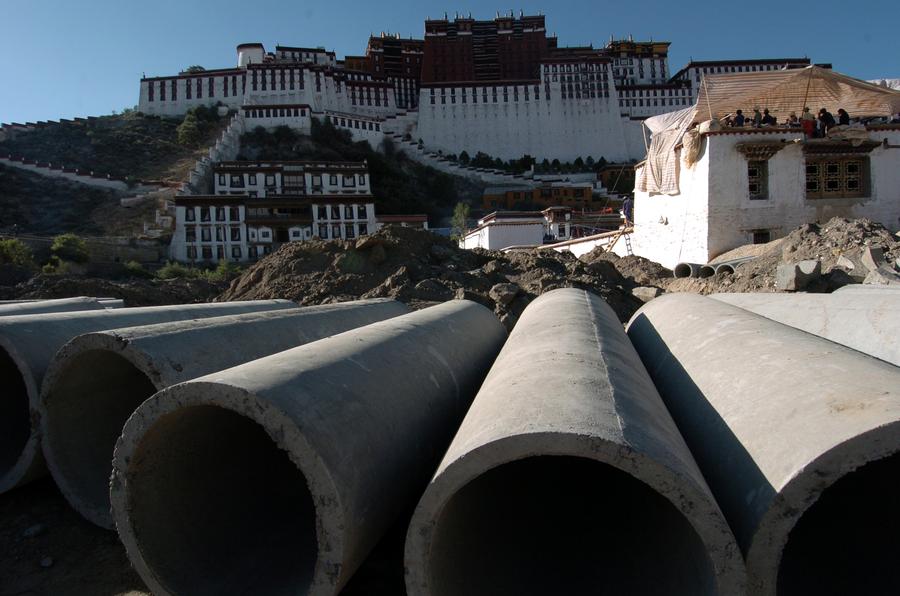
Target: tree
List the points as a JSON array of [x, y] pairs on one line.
[[579, 164], [589, 162], [458, 222], [555, 165], [15, 252], [189, 132], [545, 166], [194, 68], [464, 158], [69, 247]]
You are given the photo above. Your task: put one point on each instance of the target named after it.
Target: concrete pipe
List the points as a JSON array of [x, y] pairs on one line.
[[868, 322], [687, 270], [730, 266], [568, 476], [60, 305], [706, 271], [98, 379], [798, 437], [28, 344], [280, 475]]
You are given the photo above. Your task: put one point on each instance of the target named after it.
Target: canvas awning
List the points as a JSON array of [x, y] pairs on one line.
[[781, 91]]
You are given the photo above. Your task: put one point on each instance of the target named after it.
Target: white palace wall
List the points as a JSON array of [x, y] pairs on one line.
[[553, 128]]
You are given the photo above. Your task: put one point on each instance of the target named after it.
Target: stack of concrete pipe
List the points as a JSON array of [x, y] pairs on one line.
[[710, 269], [29, 342], [280, 475], [797, 436], [98, 379]]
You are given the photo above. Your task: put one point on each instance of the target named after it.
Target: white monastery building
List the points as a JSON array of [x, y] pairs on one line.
[[501, 86], [705, 189], [257, 206]]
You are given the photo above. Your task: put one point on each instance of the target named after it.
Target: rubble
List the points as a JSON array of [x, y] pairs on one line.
[[794, 277], [421, 268]]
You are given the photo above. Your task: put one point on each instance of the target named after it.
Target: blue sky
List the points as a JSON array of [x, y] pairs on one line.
[[63, 58]]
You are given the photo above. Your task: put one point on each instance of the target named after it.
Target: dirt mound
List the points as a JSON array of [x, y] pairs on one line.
[[135, 292], [641, 271], [826, 243], [421, 268]]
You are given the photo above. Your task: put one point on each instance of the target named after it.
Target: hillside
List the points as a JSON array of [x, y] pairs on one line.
[[125, 145], [399, 184], [44, 206]]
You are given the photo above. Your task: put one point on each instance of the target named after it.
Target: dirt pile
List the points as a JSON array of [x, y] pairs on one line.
[[638, 270], [421, 268], [134, 291], [826, 243]]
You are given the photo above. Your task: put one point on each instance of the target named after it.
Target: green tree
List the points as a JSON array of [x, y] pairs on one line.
[[464, 158], [194, 68], [15, 252], [578, 165], [69, 247], [555, 165], [189, 131], [589, 162], [458, 222]]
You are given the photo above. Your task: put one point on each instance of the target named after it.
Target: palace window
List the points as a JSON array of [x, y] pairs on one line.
[[189, 214], [174, 90], [162, 91], [235, 234], [187, 90], [207, 253], [192, 252], [205, 234], [332, 179], [204, 213], [349, 181], [251, 179], [837, 177], [190, 234], [237, 181], [348, 231], [362, 178], [199, 88], [335, 231], [234, 213], [221, 179], [150, 91], [363, 229], [235, 252], [220, 213], [758, 179], [323, 231], [336, 212]]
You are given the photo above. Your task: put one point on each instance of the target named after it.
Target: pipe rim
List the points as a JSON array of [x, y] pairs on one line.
[[691, 501], [281, 430], [30, 457], [764, 555], [117, 346]]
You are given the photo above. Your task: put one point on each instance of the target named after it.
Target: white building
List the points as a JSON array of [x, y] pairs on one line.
[[702, 192], [502, 229], [257, 206]]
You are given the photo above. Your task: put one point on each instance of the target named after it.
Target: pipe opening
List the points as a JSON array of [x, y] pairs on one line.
[[15, 422], [90, 401], [565, 525], [683, 270], [706, 271], [846, 543], [217, 507]]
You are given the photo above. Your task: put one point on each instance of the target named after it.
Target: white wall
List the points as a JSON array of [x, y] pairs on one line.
[[494, 236]]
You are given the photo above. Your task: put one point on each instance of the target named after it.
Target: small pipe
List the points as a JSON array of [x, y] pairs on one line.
[[687, 270]]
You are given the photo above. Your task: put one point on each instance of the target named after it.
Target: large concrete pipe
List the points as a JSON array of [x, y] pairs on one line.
[[59, 305], [568, 476], [868, 322], [730, 266], [280, 475], [798, 437], [98, 379], [28, 344]]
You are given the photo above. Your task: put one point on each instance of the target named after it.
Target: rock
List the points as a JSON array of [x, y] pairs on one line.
[[872, 257], [851, 262], [883, 276], [432, 289], [47, 562], [646, 293], [504, 293], [368, 242], [33, 531], [441, 252], [793, 277]]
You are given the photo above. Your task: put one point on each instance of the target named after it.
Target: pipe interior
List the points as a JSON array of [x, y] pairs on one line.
[[564, 525], [706, 271], [847, 542], [682, 270], [89, 403], [218, 508], [15, 423]]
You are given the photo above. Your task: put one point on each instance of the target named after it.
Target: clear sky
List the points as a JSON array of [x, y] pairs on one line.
[[64, 58]]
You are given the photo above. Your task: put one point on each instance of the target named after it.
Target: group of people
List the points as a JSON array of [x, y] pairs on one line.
[[813, 127]]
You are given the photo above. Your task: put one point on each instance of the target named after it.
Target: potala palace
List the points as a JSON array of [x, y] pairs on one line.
[[501, 86]]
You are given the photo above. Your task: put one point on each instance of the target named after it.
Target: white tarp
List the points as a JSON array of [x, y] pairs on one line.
[[781, 91]]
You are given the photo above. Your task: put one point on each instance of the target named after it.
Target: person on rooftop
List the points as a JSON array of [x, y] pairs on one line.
[[843, 117], [808, 122], [792, 120], [768, 119], [826, 122], [757, 118], [738, 119]]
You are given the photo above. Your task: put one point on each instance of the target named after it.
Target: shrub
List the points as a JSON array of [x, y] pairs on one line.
[[15, 252], [69, 247], [224, 271], [189, 132], [135, 269], [175, 270]]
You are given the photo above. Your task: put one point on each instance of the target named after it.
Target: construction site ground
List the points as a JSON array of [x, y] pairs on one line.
[[48, 549]]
